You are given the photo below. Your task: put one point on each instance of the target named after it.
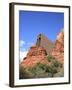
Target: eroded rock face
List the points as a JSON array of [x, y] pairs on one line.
[[38, 53], [58, 51], [43, 41], [35, 55]]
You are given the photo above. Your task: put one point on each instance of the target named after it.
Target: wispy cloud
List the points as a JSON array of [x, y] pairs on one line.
[[24, 47], [22, 42], [22, 55], [30, 43]]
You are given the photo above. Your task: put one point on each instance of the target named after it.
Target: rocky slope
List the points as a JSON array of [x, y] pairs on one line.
[[58, 51], [35, 55]]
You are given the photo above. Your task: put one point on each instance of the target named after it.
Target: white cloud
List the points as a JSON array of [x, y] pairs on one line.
[[22, 55], [30, 43], [24, 49], [22, 43]]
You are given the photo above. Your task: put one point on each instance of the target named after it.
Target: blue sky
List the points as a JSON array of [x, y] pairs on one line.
[[32, 23]]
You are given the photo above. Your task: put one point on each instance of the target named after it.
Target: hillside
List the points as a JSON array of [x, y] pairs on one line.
[[45, 59]]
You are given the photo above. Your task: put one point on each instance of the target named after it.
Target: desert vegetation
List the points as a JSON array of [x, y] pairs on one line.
[[40, 70]]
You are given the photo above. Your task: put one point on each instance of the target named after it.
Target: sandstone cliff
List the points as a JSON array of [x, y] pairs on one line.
[[35, 55], [58, 51]]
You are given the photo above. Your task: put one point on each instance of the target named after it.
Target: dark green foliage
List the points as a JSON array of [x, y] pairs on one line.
[[50, 58], [57, 63], [25, 73], [51, 69], [60, 73], [39, 70], [54, 69], [53, 61]]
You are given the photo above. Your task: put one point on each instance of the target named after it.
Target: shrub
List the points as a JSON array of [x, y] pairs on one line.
[[56, 63], [25, 73], [60, 73], [38, 69], [54, 66], [43, 70], [50, 58], [51, 69]]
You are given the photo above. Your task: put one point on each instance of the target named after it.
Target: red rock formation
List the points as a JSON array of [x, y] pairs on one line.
[[35, 55], [38, 53], [58, 51], [43, 41]]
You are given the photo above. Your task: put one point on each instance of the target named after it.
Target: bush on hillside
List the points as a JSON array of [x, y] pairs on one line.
[[55, 68]]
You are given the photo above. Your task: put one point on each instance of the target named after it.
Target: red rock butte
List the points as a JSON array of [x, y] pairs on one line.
[[44, 47]]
